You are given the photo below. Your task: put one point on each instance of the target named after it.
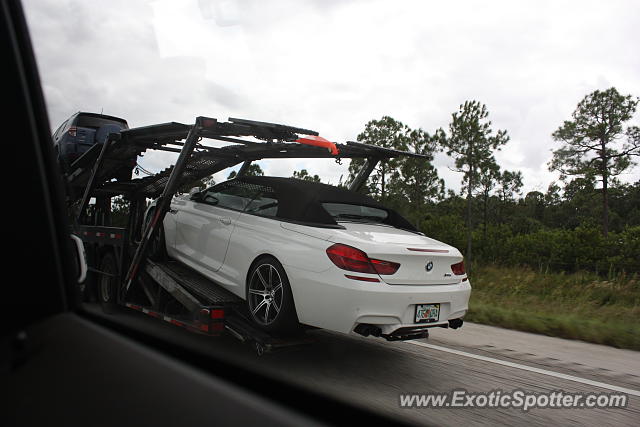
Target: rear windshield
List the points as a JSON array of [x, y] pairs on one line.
[[96, 122], [349, 212]]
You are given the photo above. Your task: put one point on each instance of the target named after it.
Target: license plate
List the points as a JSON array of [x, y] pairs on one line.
[[427, 313]]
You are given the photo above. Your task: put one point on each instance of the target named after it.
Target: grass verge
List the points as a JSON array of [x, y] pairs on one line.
[[579, 305]]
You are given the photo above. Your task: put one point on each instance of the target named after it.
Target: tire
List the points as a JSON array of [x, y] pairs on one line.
[[268, 288], [108, 283]]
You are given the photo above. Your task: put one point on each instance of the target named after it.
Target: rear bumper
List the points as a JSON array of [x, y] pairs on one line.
[[329, 300]]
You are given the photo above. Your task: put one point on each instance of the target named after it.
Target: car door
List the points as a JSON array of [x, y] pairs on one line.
[[205, 221]]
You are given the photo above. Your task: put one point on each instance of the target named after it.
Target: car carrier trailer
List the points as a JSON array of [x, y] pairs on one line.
[[123, 273]]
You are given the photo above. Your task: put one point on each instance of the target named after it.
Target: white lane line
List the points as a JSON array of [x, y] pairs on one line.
[[528, 368]]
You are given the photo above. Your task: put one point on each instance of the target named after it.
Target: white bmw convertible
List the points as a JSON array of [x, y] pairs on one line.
[[311, 253]]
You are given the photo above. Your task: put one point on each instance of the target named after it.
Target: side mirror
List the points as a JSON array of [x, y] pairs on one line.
[[194, 193]]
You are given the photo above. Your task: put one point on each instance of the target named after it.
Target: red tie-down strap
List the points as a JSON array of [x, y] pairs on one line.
[[318, 141]]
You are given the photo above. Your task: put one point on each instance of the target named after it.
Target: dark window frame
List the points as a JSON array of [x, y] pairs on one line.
[[264, 190], [382, 220], [224, 185]]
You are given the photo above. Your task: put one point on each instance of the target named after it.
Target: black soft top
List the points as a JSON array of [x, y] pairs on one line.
[[301, 201]]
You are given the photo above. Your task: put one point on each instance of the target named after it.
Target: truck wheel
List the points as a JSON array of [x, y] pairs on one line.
[[108, 283], [269, 298]]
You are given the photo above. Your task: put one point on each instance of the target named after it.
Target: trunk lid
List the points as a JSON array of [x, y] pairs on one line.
[[318, 233], [423, 261]]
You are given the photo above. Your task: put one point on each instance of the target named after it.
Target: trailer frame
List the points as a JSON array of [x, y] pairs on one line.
[[155, 287]]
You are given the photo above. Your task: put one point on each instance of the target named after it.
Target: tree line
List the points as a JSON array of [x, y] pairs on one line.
[[490, 219]]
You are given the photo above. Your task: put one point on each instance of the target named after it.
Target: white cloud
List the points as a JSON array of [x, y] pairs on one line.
[[333, 65]]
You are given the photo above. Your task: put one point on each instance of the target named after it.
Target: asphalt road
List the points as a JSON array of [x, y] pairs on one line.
[[371, 372]]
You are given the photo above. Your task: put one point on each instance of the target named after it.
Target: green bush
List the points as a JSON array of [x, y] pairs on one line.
[[445, 228], [584, 248]]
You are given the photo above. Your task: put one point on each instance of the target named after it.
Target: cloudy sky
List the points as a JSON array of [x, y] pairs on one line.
[[332, 65]]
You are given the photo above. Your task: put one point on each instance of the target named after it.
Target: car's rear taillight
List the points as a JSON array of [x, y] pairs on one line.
[[73, 131], [350, 258], [385, 267], [353, 259], [458, 268]]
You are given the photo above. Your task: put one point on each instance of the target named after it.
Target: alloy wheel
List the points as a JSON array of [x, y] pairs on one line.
[[265, 294]]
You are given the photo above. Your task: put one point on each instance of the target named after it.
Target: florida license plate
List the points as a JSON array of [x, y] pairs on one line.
[[427, 313]]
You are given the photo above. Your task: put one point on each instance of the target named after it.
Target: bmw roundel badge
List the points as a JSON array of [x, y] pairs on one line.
[[429, 266]]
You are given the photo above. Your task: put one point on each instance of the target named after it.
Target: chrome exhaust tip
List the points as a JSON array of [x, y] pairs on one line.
[[365, 330], [455, 323]]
